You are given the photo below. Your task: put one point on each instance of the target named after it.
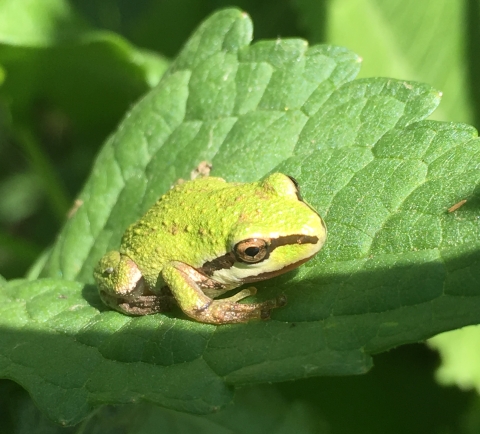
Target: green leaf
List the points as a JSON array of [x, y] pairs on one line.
[[415, 40], [49, 55], [459, 351], [255, 410], [57, 342], [397, 267], [37, 23]]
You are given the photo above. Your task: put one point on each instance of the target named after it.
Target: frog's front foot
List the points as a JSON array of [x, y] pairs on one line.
[[229, 311]]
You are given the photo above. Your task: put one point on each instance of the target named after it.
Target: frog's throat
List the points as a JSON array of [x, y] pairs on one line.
[[226, 261]]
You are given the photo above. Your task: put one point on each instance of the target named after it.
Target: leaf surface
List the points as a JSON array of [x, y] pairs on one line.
[[419, 41], [397, 266]]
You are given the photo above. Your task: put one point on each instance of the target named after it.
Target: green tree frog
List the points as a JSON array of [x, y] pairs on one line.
[[205, 237]]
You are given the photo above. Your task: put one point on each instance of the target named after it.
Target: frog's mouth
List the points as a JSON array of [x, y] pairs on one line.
[[269, 274], [220, 268]]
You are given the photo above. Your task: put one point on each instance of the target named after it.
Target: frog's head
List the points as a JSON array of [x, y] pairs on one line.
[[117, 274], [276, 231]]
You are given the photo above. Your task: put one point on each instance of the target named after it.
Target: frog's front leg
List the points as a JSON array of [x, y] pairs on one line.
[[123, 288], [186, 283]]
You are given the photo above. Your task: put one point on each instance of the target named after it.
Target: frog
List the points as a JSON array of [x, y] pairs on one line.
[[206, 237]]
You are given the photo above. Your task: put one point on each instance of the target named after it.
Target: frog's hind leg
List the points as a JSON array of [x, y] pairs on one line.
[[138, 305], [183, 283], [122, 287]]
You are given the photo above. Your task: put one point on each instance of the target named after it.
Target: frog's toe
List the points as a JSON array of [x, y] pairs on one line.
[[268, 305]]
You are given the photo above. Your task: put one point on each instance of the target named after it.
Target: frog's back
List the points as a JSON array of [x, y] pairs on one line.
[[180, 225]]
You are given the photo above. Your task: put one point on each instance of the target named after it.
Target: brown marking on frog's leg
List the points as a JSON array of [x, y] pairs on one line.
[[140, 304], [122, 287]]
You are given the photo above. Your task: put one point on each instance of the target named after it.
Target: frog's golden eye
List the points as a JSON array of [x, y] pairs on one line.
[[251, 251]]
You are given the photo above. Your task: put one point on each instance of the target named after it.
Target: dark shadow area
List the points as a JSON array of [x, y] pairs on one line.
[[90, 294], [18, 413], [399, 395], [165, 26]]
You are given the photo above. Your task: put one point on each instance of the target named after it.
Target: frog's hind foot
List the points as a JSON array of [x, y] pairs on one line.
[[229, 311]]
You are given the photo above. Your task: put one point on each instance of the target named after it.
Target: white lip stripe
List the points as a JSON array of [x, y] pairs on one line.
[[240, 272]]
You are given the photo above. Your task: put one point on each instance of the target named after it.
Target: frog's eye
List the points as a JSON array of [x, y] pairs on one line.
[[251, 251]]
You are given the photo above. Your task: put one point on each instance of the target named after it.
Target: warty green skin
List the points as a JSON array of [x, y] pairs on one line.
[[177, 243]]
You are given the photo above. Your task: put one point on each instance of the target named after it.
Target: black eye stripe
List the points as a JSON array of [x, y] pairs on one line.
[[226, 261], [222, 262], [292, 239]]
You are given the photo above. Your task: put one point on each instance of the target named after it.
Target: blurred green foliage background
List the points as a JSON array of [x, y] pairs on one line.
[[70, 70]]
